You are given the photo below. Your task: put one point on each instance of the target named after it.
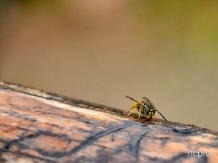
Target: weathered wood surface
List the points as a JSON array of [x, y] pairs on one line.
[[39, 127]]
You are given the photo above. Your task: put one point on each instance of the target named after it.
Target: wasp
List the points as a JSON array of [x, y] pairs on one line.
[[144, 106]]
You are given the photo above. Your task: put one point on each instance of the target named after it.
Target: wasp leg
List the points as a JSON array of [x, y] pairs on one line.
[[139, 115], [150, 118], [130, 111], [140, 112]]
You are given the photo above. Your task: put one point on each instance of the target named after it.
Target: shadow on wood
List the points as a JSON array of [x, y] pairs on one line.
[[40, 127]]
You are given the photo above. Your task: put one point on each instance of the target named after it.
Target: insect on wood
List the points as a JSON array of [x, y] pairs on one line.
[[144, 106]]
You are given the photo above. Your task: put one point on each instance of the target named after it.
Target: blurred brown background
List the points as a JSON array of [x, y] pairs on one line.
[[101, 51]]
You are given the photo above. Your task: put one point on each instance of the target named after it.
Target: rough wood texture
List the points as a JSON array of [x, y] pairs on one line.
[[39, 127]]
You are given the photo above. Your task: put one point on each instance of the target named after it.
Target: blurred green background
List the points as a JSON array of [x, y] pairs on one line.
[[101, 51]]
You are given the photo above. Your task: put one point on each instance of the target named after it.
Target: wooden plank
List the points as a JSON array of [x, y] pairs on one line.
[[36, 126]]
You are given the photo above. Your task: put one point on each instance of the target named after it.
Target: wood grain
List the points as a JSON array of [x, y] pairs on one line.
[[36, 126]]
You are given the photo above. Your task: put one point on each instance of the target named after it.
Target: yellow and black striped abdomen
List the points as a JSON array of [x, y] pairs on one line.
[[149, 110]]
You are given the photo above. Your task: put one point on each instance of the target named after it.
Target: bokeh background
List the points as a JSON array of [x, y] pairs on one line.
[[100, 51]]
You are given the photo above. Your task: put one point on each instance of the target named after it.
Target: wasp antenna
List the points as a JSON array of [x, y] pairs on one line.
[[161, 115], [131, 99]]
